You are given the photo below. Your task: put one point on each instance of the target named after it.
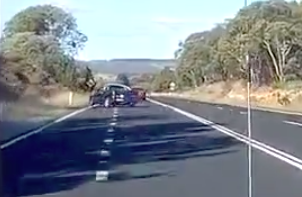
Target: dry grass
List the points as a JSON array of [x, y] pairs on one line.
[[287, 99], [33, 106], [30, 112]]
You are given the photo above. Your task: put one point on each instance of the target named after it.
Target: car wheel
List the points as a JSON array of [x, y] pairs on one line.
[[107, 102]]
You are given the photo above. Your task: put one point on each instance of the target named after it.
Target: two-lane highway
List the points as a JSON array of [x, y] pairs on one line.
[[155, 152]]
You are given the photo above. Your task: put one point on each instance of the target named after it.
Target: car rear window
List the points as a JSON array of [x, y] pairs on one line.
[[116, 88]]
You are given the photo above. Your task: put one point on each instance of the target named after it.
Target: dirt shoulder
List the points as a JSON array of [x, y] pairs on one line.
[[235, 93], [31, 112], [32, 106]]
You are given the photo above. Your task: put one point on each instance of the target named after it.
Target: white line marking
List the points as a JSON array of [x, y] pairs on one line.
[[112, 123], [102, 175], [103, 162], [283, 156], [221, 108], [293, 123], [243, 112], [108, 140], [105, 153], [26, 135], [110, 130], [115, 110], [115, 115]]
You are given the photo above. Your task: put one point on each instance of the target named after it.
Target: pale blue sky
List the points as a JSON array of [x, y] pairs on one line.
[[135, 28]]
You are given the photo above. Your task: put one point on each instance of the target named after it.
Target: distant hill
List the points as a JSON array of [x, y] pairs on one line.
[[130, 66]]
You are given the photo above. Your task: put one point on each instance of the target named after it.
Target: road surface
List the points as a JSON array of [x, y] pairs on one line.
[[283, 131], [156, 152]]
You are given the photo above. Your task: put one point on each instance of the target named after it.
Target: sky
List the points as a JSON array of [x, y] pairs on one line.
[[135, 28]]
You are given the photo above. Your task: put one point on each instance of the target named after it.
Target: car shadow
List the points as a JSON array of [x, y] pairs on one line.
[[67, 155]]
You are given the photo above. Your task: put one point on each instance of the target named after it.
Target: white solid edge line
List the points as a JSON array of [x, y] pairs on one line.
[[293, 123], [40, 129], [283, 156]]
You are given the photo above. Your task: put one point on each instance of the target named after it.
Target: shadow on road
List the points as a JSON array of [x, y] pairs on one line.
[[174, 141], [125, 176], [138, 118], [14, 127], [60, 158]]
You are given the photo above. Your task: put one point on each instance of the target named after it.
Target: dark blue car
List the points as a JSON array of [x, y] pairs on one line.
[[114, 94]]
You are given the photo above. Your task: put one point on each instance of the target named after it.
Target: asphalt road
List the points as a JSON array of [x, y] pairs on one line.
[[12, 127], [156, 152], [283, 131]]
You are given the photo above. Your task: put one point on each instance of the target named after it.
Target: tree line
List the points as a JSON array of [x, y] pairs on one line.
[[38, 47], [263, 43]]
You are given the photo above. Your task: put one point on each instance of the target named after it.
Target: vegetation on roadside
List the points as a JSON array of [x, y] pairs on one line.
[[131, 66], [264, 37], [123, 79], [38, 49]]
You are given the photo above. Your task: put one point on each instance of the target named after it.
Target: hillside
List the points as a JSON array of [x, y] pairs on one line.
[[130, 66], [215, 65]]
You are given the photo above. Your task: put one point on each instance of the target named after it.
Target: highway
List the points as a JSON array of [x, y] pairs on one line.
[[283, 131], [155, 152]]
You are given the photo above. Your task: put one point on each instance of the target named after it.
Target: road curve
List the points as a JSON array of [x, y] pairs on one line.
[[156, 152]]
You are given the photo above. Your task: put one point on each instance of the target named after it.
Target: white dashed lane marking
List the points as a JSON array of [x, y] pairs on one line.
[[112, 124], [103, 175], [110, 130], [105, 153], [108, 140]]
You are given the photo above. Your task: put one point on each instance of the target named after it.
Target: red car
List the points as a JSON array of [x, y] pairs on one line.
[[140, 92]]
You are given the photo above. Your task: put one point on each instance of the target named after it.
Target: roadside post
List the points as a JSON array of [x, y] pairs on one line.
[[70, 98], [172, 87]]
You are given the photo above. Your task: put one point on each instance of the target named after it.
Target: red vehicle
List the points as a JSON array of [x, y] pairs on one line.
[[140, 92]]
